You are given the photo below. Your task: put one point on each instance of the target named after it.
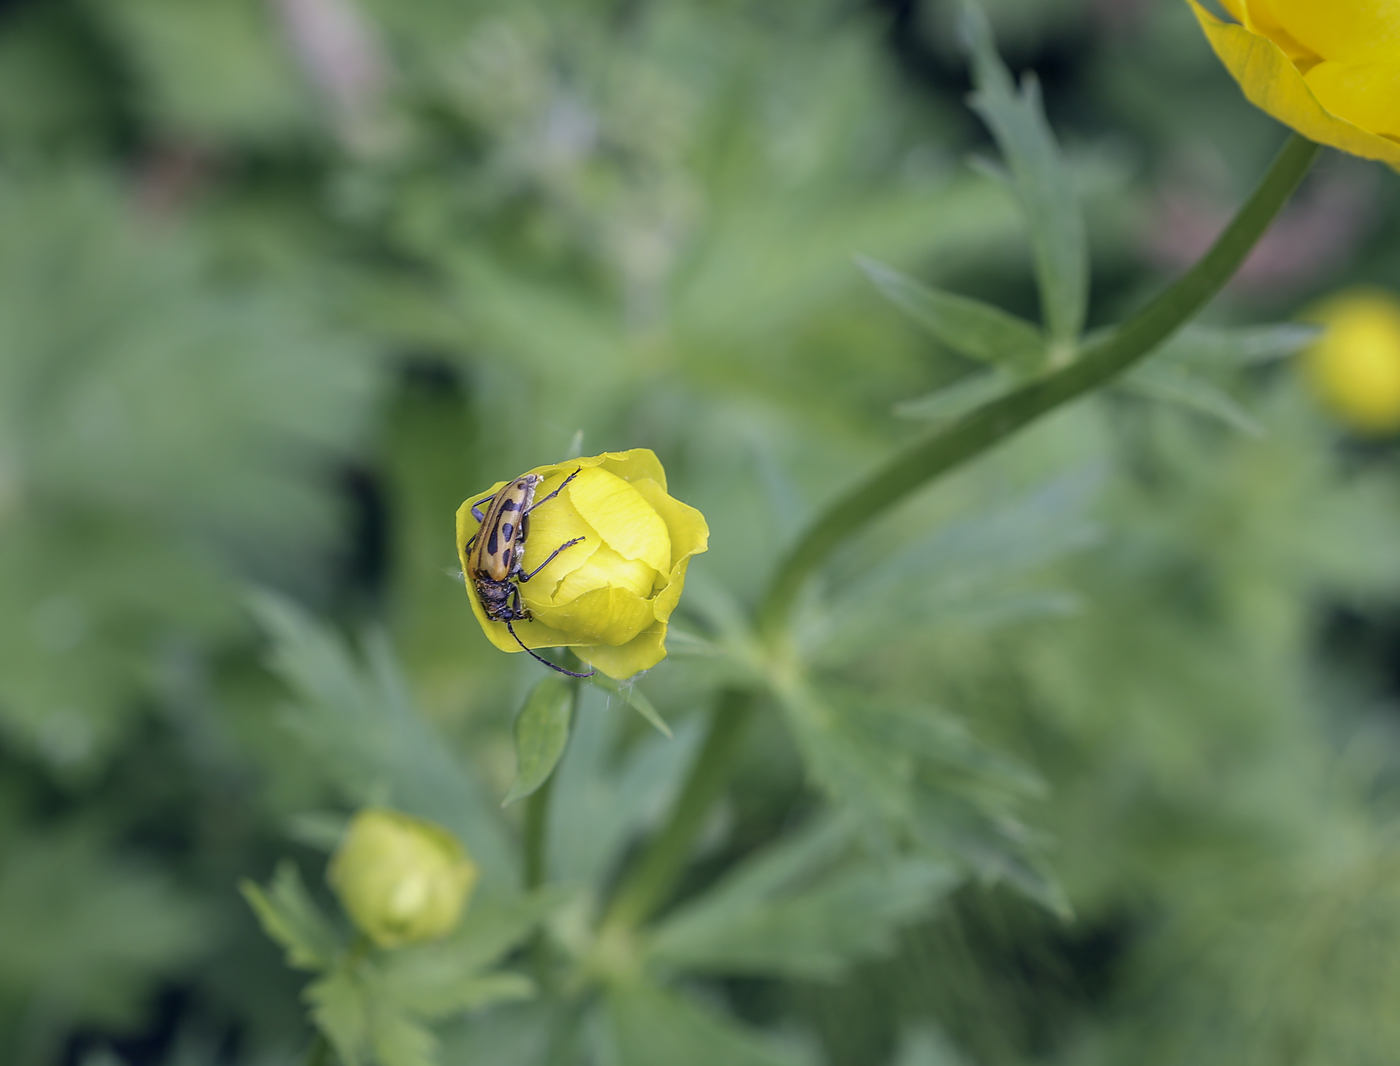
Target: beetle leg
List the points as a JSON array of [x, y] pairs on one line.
[[555, 492], [477, 513], [556, 551]]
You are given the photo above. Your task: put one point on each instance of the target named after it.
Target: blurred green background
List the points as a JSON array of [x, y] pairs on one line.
[[283, 281]]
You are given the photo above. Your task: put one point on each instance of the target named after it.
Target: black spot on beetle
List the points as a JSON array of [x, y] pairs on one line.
[[511, 505], [507, 530], [492, 544], [505, 560]]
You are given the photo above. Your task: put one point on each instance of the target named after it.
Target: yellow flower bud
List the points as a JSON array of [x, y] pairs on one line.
[[1330, 69], [610, 596], [401, 879], [1355, 365]]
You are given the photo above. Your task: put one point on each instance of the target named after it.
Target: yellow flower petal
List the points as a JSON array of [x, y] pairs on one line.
[[1355, 365], [1275, 85], [690, 534], [1365, 94], [623, 518], [556, 522], [1350, 30], [633, 465], [601, 616], [1259, 17], [604, 567], [641, 653]]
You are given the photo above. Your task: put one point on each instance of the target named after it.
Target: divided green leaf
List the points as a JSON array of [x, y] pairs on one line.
[[290, 916], [1037, 175], [975, 329], [807, 908]]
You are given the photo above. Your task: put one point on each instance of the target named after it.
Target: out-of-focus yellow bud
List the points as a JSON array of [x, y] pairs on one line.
[[609, 596], [401, 879], [1330, 69], [1355, 365]]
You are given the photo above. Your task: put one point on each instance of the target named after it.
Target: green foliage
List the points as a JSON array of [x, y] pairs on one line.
[[541, 731], [1085, 756]]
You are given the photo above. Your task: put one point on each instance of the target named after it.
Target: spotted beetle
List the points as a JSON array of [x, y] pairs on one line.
[[496, 552]]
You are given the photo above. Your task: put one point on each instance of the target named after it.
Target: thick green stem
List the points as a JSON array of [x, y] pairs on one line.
[[651, 881], [954, 444]]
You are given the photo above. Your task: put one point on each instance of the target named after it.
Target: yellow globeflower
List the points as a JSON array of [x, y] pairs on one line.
[[1355, 364], [401, 879], [611, 594], [1328, 68]]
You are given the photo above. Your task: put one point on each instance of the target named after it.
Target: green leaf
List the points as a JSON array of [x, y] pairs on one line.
[[436, 980], [1039, 178], [957, 399], [365, 1023], [971, 327], [635, 699], [651, 1027], [799, 911], [340, 1009], [1158, 380], [541, 733], [1211, 347], [359, 720], [290, 916]]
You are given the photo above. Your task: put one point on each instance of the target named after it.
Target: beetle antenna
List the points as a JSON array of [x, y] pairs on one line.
[[542, 659]]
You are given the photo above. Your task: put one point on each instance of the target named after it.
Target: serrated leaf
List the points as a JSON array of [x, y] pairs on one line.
[[971, 327], [370, 741], [1039, 178], [541, 734], [635, 699], [340, 1009], [1158, 380], [651, 1026], [790, 912], [955, 400], [290, 916]]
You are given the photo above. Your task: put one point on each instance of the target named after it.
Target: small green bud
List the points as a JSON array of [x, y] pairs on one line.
[[401, 879]]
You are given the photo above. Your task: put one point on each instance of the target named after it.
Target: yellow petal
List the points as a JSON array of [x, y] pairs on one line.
[[605, 567], [1350, 30], [642, 652], [1355, 365], [1274, 85], [552, 523], [1259, 17], [690, 534], [1236, 9], [1365, 94], [623, 518], [602, 616], [633, 465]]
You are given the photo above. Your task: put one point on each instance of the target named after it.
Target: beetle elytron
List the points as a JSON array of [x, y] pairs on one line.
[[497, 549]]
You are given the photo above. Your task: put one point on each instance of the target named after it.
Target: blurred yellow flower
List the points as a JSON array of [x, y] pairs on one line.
[[1330, 69], [1355, 365], [611, 595], [401, 879]]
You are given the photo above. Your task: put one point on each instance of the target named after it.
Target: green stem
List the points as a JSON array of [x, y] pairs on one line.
[[952, 445], [651, 881]]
